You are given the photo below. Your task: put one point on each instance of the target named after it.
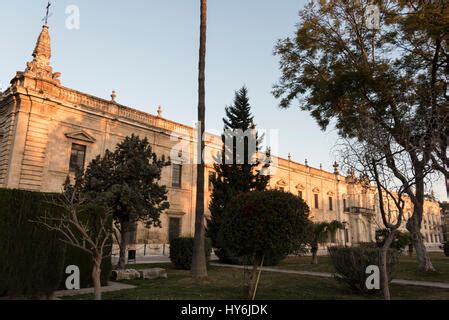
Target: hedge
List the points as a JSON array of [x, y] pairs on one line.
[[33, 259], [181, 251]]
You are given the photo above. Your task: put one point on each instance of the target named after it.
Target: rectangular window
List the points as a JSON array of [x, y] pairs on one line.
[[316, 201], [346, 235], [300, 194], [174, 228], [176, 175], [77, 158], [331, 205], [345, 208]]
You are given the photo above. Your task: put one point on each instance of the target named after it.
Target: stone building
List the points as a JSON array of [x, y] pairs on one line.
[[48, 130]]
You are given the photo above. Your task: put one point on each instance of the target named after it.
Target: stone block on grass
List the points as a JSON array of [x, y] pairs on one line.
[[153, 273]]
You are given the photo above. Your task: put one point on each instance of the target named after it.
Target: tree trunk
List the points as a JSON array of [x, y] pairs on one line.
[[414, 227], [96, 277], [253, 279], [414, 223], [385, 284], [256, 285], [122, 245], [314, 255], [424, 263], [199, 267]]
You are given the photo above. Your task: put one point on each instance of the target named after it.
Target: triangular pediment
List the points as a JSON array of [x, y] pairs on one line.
[[281, 183], [80, 135], [300, 187]]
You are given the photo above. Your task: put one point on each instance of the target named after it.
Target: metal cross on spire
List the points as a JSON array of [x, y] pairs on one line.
[[47, 15]]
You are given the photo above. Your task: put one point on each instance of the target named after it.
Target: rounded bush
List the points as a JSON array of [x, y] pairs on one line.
[[181, 252], [225, 256], [264, 224]]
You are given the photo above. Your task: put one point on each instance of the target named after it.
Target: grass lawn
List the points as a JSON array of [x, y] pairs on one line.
[[406, 269], [225, 283]]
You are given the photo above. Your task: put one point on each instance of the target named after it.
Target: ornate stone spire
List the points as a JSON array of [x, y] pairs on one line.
[[40, 67]]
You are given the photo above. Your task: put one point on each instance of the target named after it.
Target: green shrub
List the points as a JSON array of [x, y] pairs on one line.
[[181, 251], [269, 224], [225, 256], [371, 245], [33, 260], [446, 248], [350, 264]]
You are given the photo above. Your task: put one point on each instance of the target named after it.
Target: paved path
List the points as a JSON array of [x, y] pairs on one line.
[[145, 259], [153, 259], [441, 285], [113, 286]]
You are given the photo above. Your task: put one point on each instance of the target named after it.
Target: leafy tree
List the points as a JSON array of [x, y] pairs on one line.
[[318, 232], [390, 80], [127, 181], [199, 261], [235, 173], [258, 224]]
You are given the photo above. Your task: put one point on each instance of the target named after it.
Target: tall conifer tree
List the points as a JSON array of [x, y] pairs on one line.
[[236, 175]]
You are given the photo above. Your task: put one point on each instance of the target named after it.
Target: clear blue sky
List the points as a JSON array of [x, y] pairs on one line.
[[147, 50]]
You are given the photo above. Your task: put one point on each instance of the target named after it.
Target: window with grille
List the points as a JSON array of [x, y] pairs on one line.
[[77, 158], [176, 175]]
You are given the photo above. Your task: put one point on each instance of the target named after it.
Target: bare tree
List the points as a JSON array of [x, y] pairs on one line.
[[374, 163], [83, 225], [199, 265]]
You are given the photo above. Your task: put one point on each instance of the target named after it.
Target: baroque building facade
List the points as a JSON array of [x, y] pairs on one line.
[[48, 130]]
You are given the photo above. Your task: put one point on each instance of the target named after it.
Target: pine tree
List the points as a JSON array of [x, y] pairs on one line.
[[232, 176]]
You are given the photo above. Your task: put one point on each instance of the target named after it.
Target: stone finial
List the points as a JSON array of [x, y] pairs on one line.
[[289, 156], [336, 168], [321, 166], [159, 111], [306, 163], [113, 95], [40, 67]]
